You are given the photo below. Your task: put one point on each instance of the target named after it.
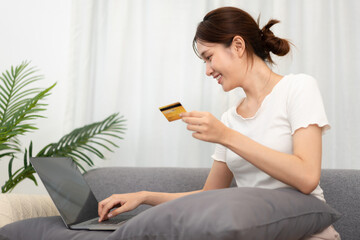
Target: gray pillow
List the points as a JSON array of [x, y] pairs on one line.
[[46, 228], [232, 213]]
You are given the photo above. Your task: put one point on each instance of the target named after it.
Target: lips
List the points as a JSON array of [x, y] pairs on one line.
[[218, 78]]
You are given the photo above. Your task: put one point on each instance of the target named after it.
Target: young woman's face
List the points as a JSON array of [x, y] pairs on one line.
[[222, 63]]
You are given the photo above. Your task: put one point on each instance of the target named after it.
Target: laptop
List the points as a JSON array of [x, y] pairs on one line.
[[71, 194]]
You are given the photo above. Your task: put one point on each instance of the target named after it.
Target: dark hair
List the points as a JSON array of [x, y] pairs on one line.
[[223, 24]]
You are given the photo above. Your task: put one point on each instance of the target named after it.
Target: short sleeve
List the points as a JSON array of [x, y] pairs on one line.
[[219, 153], [220, 150], [305, 105]]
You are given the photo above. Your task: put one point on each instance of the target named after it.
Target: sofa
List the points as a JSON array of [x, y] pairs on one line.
[[341, 190]]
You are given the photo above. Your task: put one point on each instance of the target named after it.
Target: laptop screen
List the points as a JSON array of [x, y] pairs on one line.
[[69, 191]]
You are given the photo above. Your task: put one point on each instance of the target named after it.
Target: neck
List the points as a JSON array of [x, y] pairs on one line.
[[259, 82]]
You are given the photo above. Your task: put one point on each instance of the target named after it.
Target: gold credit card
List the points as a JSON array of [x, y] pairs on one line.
[[172, 111]]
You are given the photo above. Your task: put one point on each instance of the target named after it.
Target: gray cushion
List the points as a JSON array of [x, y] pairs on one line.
[[46, 228], [232, 213]]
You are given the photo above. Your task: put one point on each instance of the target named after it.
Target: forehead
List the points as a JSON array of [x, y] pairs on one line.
[[205, 46]]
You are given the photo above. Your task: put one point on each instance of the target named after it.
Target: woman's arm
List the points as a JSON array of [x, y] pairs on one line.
[[300, 169], [219, 177]]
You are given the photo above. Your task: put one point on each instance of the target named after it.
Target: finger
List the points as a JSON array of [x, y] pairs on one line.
[[198, 135], [107, 207], [192, 114], [122, 209], [192, 120], [197, 114], [184, 114], [104, 215], [195, 128], [102, 204]]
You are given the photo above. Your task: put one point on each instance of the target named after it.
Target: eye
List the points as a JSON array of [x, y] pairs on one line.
[[207, 59]]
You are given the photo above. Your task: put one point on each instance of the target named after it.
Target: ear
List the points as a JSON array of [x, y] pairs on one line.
[[238, 45]]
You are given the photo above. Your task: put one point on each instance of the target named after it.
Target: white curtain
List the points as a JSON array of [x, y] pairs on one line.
[[133, 56]]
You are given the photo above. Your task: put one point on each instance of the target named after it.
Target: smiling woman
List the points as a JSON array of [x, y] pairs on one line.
[[272, 138]]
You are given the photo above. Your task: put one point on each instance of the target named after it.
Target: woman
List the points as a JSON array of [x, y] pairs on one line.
[[272, 138]]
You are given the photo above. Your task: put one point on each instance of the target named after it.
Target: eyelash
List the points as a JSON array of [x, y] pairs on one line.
[[208, 58]]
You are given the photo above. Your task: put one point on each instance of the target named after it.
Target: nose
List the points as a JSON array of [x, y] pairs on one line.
[[209, 69]]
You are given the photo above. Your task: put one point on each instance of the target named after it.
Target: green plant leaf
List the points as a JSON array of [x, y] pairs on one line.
[[19, 105], [82, 141], [10, 167], [25, 159]]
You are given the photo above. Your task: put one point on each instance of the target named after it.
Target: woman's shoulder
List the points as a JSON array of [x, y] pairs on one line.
[[299, 82], [299, 78]]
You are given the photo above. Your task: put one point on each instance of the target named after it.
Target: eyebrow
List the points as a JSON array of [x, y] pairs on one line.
[[203, 54]]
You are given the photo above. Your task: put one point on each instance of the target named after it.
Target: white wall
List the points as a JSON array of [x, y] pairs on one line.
[[37, 31]]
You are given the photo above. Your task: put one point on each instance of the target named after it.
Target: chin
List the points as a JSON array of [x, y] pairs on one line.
[[226, 88]]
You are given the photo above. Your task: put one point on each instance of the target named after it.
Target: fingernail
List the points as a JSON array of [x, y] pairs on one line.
[[180, 115], [110, 215]]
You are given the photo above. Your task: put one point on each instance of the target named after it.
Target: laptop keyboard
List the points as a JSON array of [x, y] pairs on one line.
[[109, 221]]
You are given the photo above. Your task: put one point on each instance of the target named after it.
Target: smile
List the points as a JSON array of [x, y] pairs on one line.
[[218, 78]]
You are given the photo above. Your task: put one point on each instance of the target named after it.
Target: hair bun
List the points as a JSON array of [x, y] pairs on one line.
[[272, 43]]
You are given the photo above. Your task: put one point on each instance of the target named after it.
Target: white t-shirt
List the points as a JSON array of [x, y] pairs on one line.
[[294, 102]]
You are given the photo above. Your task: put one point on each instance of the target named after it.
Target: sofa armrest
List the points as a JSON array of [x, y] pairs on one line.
[[15, 207], [342, 190]]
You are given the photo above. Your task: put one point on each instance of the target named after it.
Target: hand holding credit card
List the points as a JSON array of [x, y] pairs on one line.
[[172, 111]]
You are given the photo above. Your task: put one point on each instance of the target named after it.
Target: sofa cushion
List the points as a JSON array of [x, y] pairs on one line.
[[232, 213], [46, 228]]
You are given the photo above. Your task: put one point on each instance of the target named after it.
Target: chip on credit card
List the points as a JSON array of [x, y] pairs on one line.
[[172, 111]]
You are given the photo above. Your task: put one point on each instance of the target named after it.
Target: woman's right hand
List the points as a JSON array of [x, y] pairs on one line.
[[123, 203]]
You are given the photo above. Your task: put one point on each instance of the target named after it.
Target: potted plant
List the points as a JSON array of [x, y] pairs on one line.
[[21, 104]]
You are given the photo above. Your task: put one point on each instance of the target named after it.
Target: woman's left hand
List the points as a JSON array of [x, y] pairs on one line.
[[205, 126]]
